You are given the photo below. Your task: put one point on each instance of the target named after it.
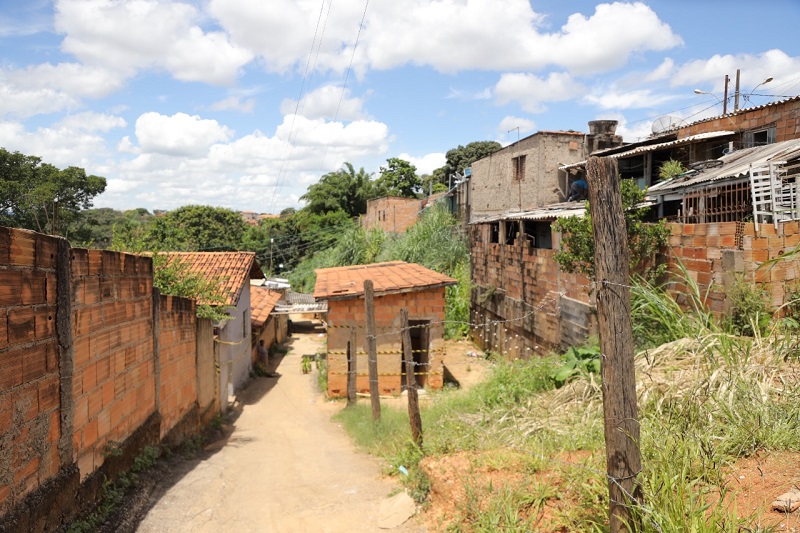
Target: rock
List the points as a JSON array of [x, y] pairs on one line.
[[787, 502], [396, 510]]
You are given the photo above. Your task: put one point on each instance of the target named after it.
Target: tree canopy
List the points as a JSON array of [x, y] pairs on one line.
[[39, 196], [342, 190], [463, 156], [398, 178]]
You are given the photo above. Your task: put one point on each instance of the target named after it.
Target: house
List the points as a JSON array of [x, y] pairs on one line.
[[395, 214], [265, 325], [526, 304], [397, 285], [232, 272]]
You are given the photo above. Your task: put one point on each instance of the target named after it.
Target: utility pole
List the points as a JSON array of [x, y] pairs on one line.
[[620, 410], [736, 92], [372, 350], [725, 100], [352, 349], [411, 381], [271, 240]]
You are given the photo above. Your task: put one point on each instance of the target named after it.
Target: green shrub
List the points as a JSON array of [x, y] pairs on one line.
[[578, 361], [748, 314]]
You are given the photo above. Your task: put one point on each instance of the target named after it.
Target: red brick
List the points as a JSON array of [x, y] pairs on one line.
[[11, 364], [81, 410], [108, 393], [95, 402], [23, 476], [6, 413], [49, 396], [26, 402], [89, 377], [90, 434], [45, 323], [23, 248], [10, 282], [33, 288], [21, 325]]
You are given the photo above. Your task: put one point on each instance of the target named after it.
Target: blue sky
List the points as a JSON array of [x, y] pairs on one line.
[[245, 103]]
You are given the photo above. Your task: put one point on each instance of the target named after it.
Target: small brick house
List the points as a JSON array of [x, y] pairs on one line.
[[397, 285], [265, 325]]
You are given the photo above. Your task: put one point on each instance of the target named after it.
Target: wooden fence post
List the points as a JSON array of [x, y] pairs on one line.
[[352, 349], [411, 381], [620, 410], [372, 350]]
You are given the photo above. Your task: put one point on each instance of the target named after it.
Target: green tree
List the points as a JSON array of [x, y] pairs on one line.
[[343, 190], [200, 227], [398, 178], [39, 196], [645, 240], [463, 156]]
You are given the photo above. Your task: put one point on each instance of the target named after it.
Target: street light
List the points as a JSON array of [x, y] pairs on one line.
[[724, 104], [747, 97]]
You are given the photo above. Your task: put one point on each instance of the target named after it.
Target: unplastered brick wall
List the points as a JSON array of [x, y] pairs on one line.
[[522, 302], [30, 426], [392, 214], [785, 116], [349, 314], [715, 255], [114, 374], [177, 349]]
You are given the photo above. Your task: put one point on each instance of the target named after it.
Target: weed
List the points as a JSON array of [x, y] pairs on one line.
[[322, 374], [749, 314], [578, 361]]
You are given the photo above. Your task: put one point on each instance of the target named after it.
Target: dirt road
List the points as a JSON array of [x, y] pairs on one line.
[[286, 467]]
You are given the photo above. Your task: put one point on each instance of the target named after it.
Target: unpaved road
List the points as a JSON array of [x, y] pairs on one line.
[[286, 467]]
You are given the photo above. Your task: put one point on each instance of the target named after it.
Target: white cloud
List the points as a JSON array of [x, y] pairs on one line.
[[179, 134], [148, 34], [630, 132], [512, 123], [533, 92], [427, 163], [23, 103], [615, 99], [57, 145], [755, 68], [421, 32], [73, 79], [324, 103], [235, 103], [662, 72], [91, 121], [457, 94]]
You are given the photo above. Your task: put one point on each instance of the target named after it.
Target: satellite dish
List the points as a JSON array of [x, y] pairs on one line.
[[665, 123]]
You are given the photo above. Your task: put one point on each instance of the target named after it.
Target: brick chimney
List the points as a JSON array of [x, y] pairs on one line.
[[602, 135]]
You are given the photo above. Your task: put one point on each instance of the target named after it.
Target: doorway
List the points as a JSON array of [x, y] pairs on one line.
[[420, 351]]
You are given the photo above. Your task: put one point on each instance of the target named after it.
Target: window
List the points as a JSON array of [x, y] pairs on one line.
[[518, 167], [512, 230], [758, 137], [494, 232], [539, 234]]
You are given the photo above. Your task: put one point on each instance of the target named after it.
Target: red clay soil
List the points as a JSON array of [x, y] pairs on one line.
[[753, 483]]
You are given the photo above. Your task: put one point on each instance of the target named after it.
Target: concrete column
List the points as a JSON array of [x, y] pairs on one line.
[[66, 350], [156, 337]]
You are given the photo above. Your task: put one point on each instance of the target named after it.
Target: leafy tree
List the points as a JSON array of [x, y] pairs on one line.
[[39, 196], [398, 178], [200, 227], [462, 157], [95, 227], [343, 190], [645, 240], [288, 212]]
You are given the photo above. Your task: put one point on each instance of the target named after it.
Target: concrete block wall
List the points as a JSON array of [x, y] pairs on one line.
[[525, 286], [715, 254], [114, 373], [177, 352], [344, 315], [30, 425]]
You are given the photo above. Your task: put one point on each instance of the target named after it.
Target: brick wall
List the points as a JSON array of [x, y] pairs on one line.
[[177, 351], [84, 374], [548, 308], [344, 315], [114, 375], [30, 425], [785, 116], [714, 254], [392, 214]]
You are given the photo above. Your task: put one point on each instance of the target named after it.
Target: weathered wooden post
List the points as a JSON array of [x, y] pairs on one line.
[[352, 348], [620, 411], [411, 381], [372, 350]]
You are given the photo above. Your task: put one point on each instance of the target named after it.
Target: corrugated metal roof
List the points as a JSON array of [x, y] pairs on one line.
[[735, 164], [547, 212], [658, 146]]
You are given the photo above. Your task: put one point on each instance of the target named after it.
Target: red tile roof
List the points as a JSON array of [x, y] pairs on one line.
[[262, 302], [232, 270], [397, 276]]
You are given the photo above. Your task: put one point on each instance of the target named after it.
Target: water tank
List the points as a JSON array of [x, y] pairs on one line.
[[603, 127]]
